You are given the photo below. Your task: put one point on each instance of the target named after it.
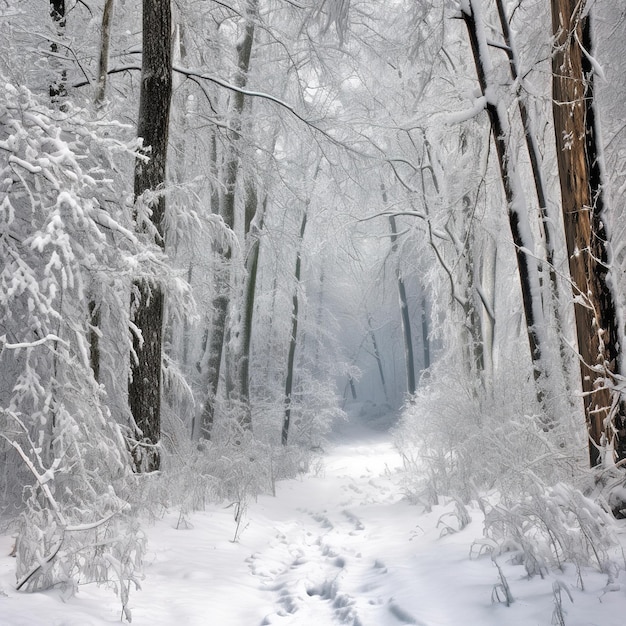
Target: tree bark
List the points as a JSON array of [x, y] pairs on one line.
[[103, 62], [253, 229], [293, 340], [583, 206], [215, 348], [377, 357], [222, 303], [409, 360], [425, 335], [144, 388], [58, 87], [547, 220], [214, 336], [528, 269], [94, 338]]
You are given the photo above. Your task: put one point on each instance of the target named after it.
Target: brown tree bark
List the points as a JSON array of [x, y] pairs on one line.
[[144, 388], [585, 233]]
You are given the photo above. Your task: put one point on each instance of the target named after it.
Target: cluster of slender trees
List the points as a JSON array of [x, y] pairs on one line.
[[582, 201], [581, 185], [240, 199]]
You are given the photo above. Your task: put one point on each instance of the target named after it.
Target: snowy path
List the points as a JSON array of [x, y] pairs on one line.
[[324, 564], [338, 546]]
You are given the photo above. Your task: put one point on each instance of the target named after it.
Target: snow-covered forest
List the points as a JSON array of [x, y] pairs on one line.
[[312, 311]]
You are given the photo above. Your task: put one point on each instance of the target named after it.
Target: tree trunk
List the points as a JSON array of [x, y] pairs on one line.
[[547, 220], [253, 229], [409, 361], [222, 303], [94, 338], [58, 87], [214, 337], [215, 348], [293, 340], [527, 266], [103, 62], [472, 321], [352, 387], [144, 388], [377, 357], [425, 335], [94, 309], [585, 234]]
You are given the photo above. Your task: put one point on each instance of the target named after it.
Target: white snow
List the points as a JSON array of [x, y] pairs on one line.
[[340, 545]]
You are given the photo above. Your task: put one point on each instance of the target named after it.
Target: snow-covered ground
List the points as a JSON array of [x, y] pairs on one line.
[[337, 546]]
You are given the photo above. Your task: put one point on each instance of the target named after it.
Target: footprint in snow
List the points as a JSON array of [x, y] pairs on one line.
[[358, 525], [401, 615]]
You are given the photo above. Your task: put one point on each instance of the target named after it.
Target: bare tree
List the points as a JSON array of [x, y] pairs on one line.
[[293, 338], [227, 209], [144, 388], [58, 87], [527, 266], [103, 61], [404, 308]]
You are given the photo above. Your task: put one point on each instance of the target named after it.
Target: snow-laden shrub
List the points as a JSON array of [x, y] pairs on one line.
[[457, 440], [547, 527], [66, 251], [314, 409], [230, 470]]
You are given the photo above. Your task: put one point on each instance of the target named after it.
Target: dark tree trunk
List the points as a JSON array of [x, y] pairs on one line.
[[409, 361], [94, 338], [352, 387], [144, 388], [547, 220], [293, 340], [527, 266], [425, 334], [214, 336], [252, 264], [215, 347], [58, 87], [583, 206]]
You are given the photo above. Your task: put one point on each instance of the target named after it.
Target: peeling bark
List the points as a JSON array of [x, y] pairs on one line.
[[583, 207]]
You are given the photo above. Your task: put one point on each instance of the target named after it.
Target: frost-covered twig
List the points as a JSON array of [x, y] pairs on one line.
[[31, 344]]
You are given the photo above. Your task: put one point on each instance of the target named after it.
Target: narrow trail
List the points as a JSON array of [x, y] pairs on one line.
[[323, 564]]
